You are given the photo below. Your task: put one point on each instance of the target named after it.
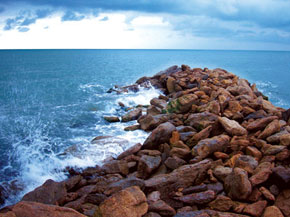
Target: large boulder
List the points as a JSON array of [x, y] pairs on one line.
[[147, 164], [150, 122], [261, 123], [50, 192], [130, 202], [160, 135], [34, 209], [237, 184], [207, 147]]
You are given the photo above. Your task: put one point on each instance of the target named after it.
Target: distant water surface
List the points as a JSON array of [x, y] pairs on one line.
[[53, 101]]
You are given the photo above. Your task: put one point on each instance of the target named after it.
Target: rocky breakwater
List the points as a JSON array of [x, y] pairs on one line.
[[217, 147]]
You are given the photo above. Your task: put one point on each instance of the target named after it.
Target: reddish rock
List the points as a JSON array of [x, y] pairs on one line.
[[198, 198], [150, 122], [203, 134], [132, 127], [181, 104], [256, 209], [247, 163], [281, 175], [122, 184], [238, 185], [72, 182], [130, 202], [221, 203], [132, 115], [50, 192], [152, 214], [283, 202], [202, 120], [267, 194], [34, 209], [285, 139], [206, 147], [134, 149], [162, 208], [160, 135], [116, 166], [272, 128], [147, 165], [254, 152], [261, 173], [272, 211], [222, 172], [174, 162], [112, 119], [255, 195], [261, 123], [232, 127], [194, 189]]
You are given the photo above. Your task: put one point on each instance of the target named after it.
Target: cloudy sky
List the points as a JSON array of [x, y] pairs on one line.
[[168, 24]]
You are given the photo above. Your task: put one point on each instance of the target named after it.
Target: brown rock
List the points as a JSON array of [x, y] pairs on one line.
[[132, 150], [8, 214], [275, 138], [260, 124], [203, 134], [122, 184], [247, 163], [132, 127], [256, 209], [232, 127], [162, 208], [272, 211], [272, 128], [150, 122], [267, 194], [221, 203], [170, 83], [237, 184], [160, 103], [132, 115], [180, 152], [239, 143], [34, 209], [147, 164], [183, 176], [281, 175], [95, 198], [198, 198], [160, 135], [181, 104], [112, 119], [174, 162], [206, 147], [152, 214], [221, 155], [50, 192], [72, 182], [222, 172], [285, 139], [195, 189], [254, 152], [116, 166], [274, 149], [261, 173], [255, 195], [130, 202], [202, 120]]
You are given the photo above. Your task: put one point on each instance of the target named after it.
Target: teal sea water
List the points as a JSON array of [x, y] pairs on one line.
[[53, 101]]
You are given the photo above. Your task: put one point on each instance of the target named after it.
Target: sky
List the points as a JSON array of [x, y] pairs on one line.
[[145, 24]]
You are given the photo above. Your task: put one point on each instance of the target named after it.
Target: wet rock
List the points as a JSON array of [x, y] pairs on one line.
[[272, 211], [160, 135], [238, 185], [256, 209], [72, 182], [272, 128], [260, 124], [34, 209], [247, 163], [134, 149], [232, 127], [132, 115], [207, 147], [174, 162], [130, 202], [281, 175], [132, 127], [147, 164], [122, 184], [112, 118], [50, 192], [198, 198], [95, 198], [202, 120], [221, 203], [182, 104], [162, 208]]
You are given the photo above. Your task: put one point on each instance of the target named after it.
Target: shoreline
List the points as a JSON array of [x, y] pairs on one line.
[[217, 146]]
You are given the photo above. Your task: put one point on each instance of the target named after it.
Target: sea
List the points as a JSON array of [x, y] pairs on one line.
[[52, 103]]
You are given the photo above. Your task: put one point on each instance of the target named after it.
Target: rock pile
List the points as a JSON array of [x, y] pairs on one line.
[[217, 148]]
